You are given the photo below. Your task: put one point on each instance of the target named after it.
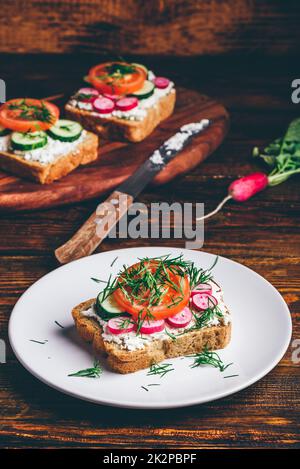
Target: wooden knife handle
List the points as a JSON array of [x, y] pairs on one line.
[[95, 229]]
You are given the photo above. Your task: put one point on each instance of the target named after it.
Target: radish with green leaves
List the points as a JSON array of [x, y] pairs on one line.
[[282, 155]]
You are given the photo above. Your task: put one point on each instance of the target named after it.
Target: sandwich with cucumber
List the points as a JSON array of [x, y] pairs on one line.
[[36, 144], [124, 101], [158, 308]]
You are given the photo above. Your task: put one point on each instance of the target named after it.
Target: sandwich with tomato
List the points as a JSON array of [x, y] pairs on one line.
[[158, 308], [124, 101], [36, 144]]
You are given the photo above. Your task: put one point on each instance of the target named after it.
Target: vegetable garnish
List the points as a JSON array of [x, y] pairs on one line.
[[282, 156], [116, 258], [59, 325], [230, 376], [160, 370], [209, 358], [28, 115], [38, 341], [93, 372], [117, 78]]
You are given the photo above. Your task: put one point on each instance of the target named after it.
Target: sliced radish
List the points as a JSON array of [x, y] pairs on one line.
[[161, 82], [201, 288], [120, 325], [104, 105], [149, 327], [181, 319], [113, 97], [88, 95], [126, 104], [202, 301]]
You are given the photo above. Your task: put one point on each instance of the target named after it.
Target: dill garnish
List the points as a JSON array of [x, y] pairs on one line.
[[230, 376], [59, 325], [93, 372], [161, 370], [114, 261], [207, 357], [38, 341]]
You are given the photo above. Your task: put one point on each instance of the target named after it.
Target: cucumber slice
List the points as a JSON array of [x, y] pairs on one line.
[[65, 130], [28, 141], [4, 131], [143, 67], [108, 308], [146, 91]]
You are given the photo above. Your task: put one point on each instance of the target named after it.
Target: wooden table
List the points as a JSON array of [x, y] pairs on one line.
[[262, 234]]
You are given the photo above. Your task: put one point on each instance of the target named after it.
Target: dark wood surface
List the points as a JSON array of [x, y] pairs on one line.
[[180, 27], [119, 160], [262, 234]]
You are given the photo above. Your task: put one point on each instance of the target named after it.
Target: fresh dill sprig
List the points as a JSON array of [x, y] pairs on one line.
[[207, 357], [93, 372], [203, 319], [161, 370]]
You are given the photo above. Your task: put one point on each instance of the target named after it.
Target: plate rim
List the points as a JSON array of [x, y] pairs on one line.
[[147, 406]]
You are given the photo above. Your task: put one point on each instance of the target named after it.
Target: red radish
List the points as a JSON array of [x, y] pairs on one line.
[[125, 104], [181, 319], [120, 325], [88, 95], [161, 82], [242, 189], [202, 301], [149, 327], [113, 97], [201, 288], [104, 105]]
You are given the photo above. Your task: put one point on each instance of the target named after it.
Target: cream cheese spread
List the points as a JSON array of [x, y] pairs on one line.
[[46, 154], [132, 341], [136, 114]]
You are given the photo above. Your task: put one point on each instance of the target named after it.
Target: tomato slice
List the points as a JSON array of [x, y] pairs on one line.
[[117, 77], [175, 298], [28, 115]]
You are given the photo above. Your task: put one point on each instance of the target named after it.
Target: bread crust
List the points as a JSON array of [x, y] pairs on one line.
[[124, 361], [113, 128], [86, 152]]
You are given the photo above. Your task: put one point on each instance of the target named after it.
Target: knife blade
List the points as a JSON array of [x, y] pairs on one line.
[[109, 212]]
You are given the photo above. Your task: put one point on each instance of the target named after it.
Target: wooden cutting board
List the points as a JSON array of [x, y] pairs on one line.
[[119, 160]]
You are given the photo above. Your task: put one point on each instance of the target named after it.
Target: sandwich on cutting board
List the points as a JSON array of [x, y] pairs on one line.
[[125, 101], [36, 144]]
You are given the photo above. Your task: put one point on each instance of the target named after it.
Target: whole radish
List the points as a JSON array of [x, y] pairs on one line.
[[242, 189]]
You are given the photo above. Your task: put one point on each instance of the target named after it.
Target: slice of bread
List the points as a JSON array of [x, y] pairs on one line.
[[114, 128], [124, 361], [85, 152]]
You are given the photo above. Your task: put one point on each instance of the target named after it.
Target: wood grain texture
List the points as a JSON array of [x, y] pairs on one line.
[[183, 27], [117, 160], [262, 234]]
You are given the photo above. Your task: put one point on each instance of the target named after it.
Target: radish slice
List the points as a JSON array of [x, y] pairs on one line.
[[181, 319], [120, 325], [149, 327], [90, 93], [104, 105], [202, 301], [126, 104], [202, 288], [113, 97], [161, 82]]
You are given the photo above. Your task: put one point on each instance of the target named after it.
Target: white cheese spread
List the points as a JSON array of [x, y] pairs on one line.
[[132, 341], [138, 113], [46, 154]]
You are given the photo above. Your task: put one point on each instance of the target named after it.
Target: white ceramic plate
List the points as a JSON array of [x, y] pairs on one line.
[[260, 336]]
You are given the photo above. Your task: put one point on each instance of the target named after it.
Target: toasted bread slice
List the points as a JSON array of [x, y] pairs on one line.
[[114, 128], [124, 361], [85, 152]]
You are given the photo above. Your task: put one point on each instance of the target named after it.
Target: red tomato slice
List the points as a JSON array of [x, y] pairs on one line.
[[171, 302], [108, 78], [28, 115]]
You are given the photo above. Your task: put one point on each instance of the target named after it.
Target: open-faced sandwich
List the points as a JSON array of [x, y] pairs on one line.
[[125, 101], [35, 143], [156, 309]]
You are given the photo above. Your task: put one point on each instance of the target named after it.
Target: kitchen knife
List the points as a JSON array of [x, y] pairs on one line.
[[109, 212]]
